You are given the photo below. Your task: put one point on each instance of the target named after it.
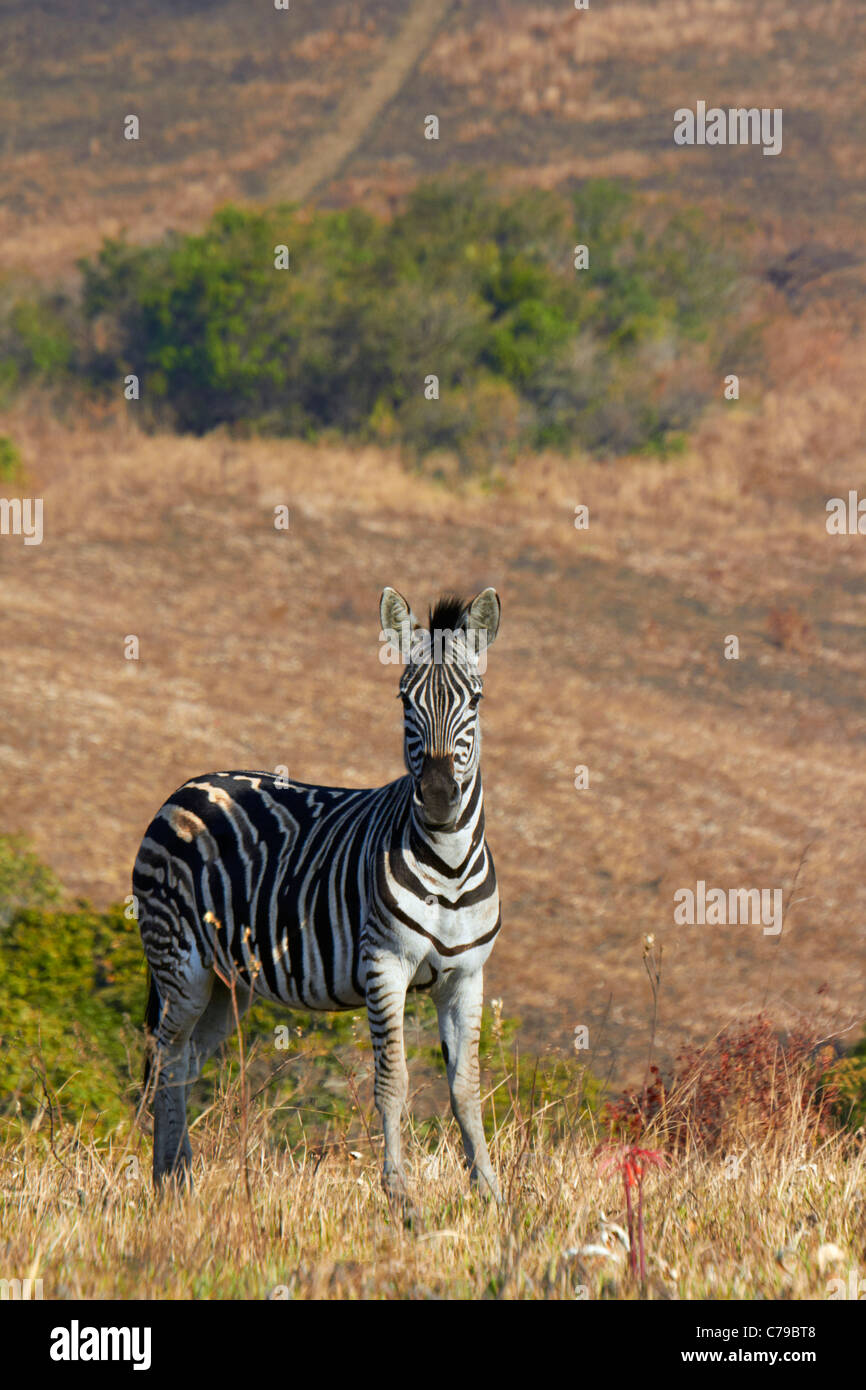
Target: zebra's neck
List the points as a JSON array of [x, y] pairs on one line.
[[450, 850]]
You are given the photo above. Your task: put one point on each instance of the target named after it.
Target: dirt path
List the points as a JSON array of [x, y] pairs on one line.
[[359, 109]]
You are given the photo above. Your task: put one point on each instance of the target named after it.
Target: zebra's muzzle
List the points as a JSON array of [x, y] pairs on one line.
[[438, 790]]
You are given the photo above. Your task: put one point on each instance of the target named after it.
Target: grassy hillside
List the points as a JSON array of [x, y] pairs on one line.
[[750, 1178], [278, 105], [260, 648], [318, 1226]]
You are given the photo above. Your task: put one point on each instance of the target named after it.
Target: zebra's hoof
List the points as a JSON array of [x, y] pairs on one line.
[[485, 1187], [411, 1215], [400, 1202], [172, 1180]]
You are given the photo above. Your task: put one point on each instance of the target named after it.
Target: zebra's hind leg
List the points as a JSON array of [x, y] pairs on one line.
[[216, 1024], [172, 1154]]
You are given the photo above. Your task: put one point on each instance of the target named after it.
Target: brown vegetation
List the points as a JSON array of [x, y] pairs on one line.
[[314, 1223]]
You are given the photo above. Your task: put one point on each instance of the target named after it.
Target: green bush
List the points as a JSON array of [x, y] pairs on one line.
[[24, 879], [10, 464], [71, 989], [845, 1081], [478, 289], [37, 339]]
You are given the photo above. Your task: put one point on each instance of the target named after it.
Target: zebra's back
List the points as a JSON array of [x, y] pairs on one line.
[[265, 878]]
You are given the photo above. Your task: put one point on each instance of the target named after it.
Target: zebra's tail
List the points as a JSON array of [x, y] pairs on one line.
[[152, 1013]]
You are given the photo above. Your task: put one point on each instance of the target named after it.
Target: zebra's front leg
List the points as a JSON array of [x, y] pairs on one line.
[[386, 982], [459, 1001]]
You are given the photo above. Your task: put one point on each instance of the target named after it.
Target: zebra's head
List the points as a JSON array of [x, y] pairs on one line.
[[441, 689]]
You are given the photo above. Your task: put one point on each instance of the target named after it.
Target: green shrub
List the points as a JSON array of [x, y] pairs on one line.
[[478, 289], [24, 879], [37, 339], [10, 463], [845, 1081]]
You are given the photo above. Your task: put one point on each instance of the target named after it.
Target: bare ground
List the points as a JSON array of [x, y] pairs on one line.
[[240, 103]]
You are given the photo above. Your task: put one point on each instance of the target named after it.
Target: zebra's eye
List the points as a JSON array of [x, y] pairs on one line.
[[473, 703]]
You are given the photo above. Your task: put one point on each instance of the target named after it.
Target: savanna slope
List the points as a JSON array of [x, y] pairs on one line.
[[240, 103], [318, 1226], [260, 647]]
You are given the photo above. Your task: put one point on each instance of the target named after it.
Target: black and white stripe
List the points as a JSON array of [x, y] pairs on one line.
[[327, 898]]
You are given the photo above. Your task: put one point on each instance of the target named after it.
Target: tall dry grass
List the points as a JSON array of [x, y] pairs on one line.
[[779, 1223]]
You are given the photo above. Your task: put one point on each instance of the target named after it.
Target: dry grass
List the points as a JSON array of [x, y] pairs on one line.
[[229, 124], [526, 48], [316, 1223], [284, 103], [790, 630]]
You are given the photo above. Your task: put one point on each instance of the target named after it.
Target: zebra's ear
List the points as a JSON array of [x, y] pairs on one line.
[[482, 615], [394, 612]]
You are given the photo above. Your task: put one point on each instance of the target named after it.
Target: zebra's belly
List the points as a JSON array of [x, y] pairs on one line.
[[305, 962], [340, 996]]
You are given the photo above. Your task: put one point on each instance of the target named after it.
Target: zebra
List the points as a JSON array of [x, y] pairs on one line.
[[251, 885]]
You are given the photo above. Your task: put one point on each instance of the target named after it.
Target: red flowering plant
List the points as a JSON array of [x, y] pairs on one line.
[[633, 1163]]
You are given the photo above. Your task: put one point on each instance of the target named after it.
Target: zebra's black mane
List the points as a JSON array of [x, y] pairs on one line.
[[447, 616]]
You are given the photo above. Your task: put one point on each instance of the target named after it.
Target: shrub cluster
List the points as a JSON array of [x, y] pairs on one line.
[[749, 1077], [474, 287]]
